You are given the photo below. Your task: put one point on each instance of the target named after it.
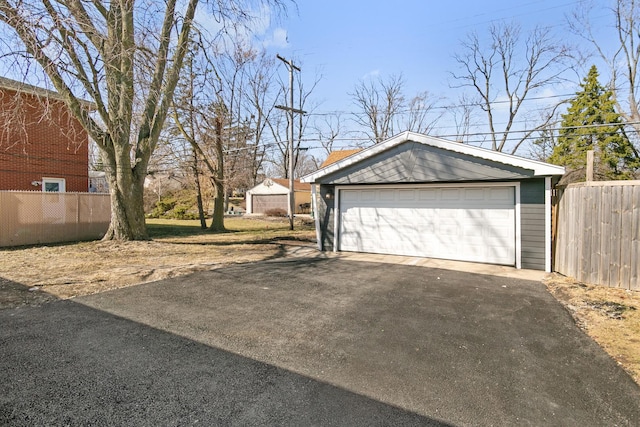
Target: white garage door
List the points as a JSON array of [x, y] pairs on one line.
[[459, 223]]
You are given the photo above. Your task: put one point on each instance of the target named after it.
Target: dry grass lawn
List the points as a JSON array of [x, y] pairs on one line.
[[34, 275], [611, 316], [178, 248]]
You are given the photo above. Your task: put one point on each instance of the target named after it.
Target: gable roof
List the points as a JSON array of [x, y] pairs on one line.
[[338, 155], [537, 168], [297, 185], [22, 87]]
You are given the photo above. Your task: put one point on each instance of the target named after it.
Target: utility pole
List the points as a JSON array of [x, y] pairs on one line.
[[290, 109]]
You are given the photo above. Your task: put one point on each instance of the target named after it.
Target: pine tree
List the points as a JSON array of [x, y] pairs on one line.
[[591, 123]]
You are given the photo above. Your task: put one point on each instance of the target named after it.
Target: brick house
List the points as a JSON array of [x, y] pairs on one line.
[[42, 147]]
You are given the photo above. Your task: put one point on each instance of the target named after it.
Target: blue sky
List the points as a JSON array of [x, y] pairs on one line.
[[348, 40], [345, 41]]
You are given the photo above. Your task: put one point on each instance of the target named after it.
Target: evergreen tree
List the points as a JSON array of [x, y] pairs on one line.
[[591, 123]]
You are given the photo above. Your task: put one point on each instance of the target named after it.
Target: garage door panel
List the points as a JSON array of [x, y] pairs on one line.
[[427, 195], [504, 194], [470, 224], [406, 195], [450, 194], [387, 195], [473, 231], [368, 196], [262, 203], [474, 194]]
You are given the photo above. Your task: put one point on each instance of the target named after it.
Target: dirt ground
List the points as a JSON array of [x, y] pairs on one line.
[[32, 275], [611, 316], [35, 275]]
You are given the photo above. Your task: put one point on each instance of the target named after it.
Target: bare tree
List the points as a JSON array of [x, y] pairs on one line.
[[202, 117], [279, 122], [223, 109], [189, 128], [204, 135], [463, 117], [497, 72], [304, 104], [379, 101], [385, 110], [232, 68], [329, 129], [306, 164], [624, 60], [546, 138], [261, 94], [421, 113], [125, 57]]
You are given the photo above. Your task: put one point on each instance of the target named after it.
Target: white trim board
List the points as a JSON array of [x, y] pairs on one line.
[[547, 224]]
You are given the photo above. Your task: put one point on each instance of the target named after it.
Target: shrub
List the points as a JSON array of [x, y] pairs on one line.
[[162, 207], [182, 212], [279, 212]]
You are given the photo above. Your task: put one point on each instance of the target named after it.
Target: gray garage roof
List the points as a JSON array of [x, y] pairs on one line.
[[426, 158]]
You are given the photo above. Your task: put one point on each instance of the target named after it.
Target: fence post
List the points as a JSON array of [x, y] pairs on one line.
[[77, 216]]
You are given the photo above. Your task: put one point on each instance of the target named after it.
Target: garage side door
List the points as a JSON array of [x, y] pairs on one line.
[[261, 203], [458, 223]]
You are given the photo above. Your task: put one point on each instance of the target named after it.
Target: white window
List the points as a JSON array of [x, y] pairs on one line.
[[53, 185]]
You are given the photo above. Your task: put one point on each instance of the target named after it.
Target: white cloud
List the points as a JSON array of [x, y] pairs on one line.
[[256, 30], [261, 21], [207, 21], [371, 74], [278, 39]]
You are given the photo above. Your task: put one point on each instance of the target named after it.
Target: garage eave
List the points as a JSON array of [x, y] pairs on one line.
[[539, 169]]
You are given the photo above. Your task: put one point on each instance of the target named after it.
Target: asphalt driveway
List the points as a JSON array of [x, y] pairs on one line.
[[310, 342]]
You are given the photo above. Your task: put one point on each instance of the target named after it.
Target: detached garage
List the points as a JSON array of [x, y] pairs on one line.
[[422, 196], [273, 194]]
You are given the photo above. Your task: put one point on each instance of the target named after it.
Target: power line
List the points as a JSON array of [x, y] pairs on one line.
[[446, 107], [511, 16], [472, 138]]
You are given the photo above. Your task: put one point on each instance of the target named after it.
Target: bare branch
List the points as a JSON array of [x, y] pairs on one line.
[[500, 72]]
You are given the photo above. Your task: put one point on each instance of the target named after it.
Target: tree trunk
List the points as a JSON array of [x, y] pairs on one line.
[[127, 214], [126, 190], [217, 223], [226, 200], [203, 221], [201, 216]]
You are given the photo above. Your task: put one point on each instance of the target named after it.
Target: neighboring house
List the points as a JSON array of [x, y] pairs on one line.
[[163, 183], [42, 147], [273, 193], [98, 182], [422, 196], [338, 155]]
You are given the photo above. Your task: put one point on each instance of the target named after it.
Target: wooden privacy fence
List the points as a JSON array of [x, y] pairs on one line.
[[598, 233], [28, 218]]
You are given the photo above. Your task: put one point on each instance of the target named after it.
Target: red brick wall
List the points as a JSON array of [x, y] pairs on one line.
[[39, 139]]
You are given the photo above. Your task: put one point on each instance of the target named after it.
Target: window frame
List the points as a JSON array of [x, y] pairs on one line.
[[60, 181]]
